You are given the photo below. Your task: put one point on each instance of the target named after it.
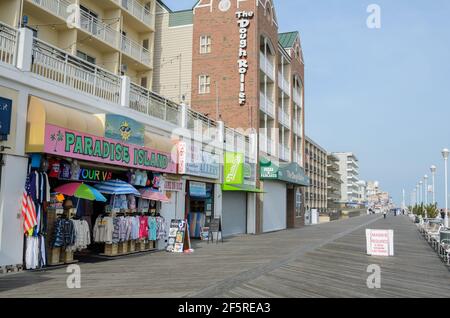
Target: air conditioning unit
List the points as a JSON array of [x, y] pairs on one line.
[[123, 68]]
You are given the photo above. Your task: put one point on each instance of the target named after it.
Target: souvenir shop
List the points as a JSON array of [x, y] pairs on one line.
[[95, 189], [201, 171]]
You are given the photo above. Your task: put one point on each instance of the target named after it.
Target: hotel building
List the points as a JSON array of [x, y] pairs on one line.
[[349, 171], [316, 169]]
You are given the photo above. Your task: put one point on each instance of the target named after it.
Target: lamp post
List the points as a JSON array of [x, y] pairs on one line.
[[417, 194], [421, 191], [433, 177], [445, 153], [425, 184]]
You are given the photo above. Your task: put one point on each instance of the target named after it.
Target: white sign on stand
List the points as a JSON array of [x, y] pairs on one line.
[[380, 242]]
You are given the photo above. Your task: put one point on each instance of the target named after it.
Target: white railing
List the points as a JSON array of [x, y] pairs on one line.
[[297, 128], [266, 105], [99, 29], [147, 102], [266, 144], [298, 99], [284, 84], [284, 152], [266, 66], [56, 7], [201, 124], [134, 50], [284, 118], [8, 44], [55, 64], [138, 11]]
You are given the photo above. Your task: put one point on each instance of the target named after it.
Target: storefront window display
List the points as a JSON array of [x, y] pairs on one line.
[[200, 207]]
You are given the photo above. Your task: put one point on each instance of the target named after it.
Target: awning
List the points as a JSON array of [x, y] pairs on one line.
[[287, 172], [242, 188], [150, 194]]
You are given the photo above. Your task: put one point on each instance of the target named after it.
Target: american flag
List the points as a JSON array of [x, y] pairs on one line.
[[28, 210]]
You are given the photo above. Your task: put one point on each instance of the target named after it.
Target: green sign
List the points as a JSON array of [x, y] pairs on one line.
[[287, 172], [234, 168]]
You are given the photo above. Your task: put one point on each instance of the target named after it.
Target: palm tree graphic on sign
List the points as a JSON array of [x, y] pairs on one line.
[[56, 138]]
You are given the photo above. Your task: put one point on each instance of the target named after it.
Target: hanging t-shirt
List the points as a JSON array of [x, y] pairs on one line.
[[144, 179], [65, 171], [138, 178], [54, 168], [75, 167]]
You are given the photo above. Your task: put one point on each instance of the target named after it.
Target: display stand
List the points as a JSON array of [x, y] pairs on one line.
[[179, 238], [54, 257], [131, 246], [215, 227], [128, 248], [66, 257]]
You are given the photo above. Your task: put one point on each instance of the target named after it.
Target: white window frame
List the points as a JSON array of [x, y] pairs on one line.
[[204, 84], [205, 44]]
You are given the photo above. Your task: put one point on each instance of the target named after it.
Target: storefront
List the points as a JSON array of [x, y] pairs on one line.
[[282, 199], [101, 177], [201, 170], [239, 189]]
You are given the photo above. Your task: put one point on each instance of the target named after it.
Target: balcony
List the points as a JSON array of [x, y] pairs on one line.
[[266, 105], [201, 124], [99, 29], [284, 84], [266, 66], [8, 43], [297, 128], [55, 7], [266, 145], [138, 11], [298, 99], [135, 50], [284, 152], [284, 118]]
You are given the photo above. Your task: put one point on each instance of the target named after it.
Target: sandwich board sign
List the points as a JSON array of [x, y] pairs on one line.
[[179, 240], [380, 242]]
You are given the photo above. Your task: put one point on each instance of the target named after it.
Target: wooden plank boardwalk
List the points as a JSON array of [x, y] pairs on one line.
[[326, 260]]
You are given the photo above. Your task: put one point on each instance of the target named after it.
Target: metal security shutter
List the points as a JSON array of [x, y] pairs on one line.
[[274, 214], [234, 216]]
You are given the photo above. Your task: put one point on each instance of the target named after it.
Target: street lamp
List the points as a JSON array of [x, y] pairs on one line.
[[445, 153], [417, 194], [421, 191], [425, 178], [433, 176]]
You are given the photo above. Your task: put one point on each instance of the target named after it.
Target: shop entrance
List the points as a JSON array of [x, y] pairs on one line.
[[199, 206]]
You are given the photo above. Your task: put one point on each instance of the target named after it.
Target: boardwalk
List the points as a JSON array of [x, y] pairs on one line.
[[327, 260]]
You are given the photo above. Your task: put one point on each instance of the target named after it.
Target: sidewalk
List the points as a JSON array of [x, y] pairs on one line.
[[326, 260]]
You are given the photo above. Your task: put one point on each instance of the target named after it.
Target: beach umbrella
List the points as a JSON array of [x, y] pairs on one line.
[[153, 195], [116, 187], [81, 191]]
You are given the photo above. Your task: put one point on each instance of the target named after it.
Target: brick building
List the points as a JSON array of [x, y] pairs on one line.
[[248, 75]]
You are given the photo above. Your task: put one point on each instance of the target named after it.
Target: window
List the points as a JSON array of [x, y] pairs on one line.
[[204, 84], [145, 44], [86, 57], [205, 44]]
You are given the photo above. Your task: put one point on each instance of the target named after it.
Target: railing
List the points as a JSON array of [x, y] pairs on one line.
[[266, 66], [135, 50], [297, 128], [284, 84], [266, 144], [57, 65], [200, 123], [8, 44], [99, 29], [284, 152], [147, 102], [284, 118], [57, 7], [138, 11], [236, 141], [298, 99], [266, 105]]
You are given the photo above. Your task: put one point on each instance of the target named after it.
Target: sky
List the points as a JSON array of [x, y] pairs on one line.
[[383, 94]]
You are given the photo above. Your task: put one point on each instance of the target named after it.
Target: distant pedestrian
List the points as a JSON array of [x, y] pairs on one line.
[[442, 214], [385, 214]]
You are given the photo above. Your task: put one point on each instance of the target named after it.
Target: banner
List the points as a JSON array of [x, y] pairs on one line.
[[67, 143], [5, 117], [234, 168], [124, 129]]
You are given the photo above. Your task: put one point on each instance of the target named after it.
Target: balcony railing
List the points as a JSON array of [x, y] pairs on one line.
[[284, 84], [147, 102], [266, 66], [8, 44], [55, 64], [266, 144], [284, 118], [284, 152], [99, 29], [138, 11], [298, 99], [56, 7], [266, 105], [135, 50], [201, 124]]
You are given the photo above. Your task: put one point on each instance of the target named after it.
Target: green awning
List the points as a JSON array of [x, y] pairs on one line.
[[286, 172], [242, 188]]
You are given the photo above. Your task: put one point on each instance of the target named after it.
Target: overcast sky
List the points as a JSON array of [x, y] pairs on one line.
[[381, 93]]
